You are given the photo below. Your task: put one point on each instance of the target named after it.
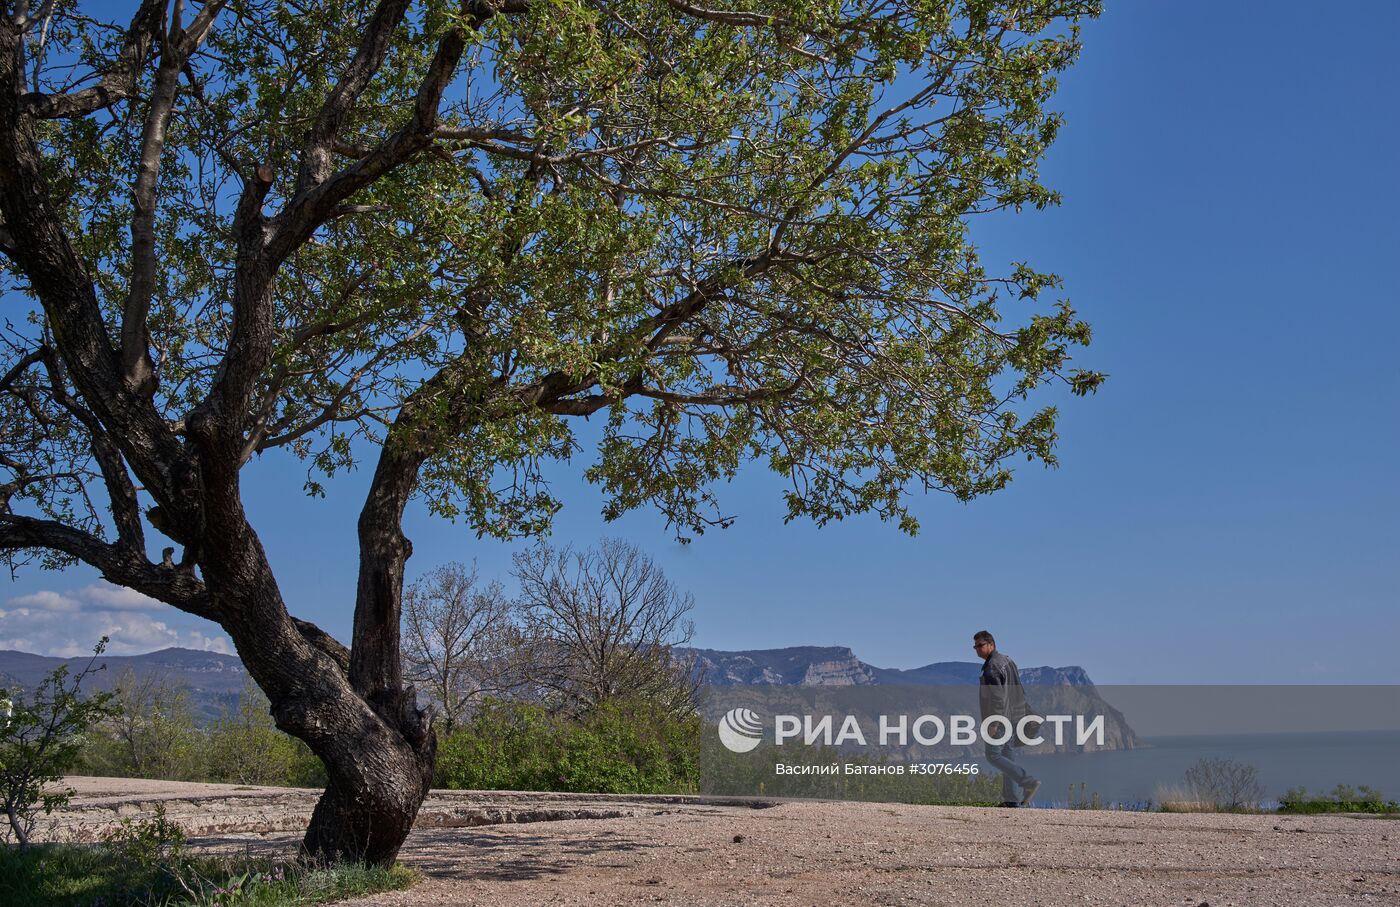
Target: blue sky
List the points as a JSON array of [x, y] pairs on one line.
[[1226, 509]]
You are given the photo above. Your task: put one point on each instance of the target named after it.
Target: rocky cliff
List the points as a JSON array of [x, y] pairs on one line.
[[1051, 690]]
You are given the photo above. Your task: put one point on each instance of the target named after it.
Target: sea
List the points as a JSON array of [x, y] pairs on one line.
[[1141, 778]]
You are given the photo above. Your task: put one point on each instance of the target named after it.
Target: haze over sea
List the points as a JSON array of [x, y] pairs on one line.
[[1318, 761]]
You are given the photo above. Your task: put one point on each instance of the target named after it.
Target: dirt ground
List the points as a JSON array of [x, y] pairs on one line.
[[512, 850]]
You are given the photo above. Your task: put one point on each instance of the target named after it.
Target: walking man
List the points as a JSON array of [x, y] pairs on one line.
[[1000, 693]]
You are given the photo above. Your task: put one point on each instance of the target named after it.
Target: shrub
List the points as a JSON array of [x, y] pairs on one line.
[[1343, 799], [41, 741], [160, 739], [1224, 785], [245, 747], [619, 747], [624, 747], [146, 844], [504, 746], [151, 735]]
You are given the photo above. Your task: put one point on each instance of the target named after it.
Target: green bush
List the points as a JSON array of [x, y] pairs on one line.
[[619, 747], [160, 739], [630, 748], [151, 735], [244, 746], [146, 844], [41, 738], [1343, 799]]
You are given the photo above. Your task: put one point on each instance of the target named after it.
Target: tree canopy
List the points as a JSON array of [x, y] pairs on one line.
[[434, 233], [734, 234]]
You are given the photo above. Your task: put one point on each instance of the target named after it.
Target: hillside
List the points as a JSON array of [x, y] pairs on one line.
[[213, 680], [838, 666]]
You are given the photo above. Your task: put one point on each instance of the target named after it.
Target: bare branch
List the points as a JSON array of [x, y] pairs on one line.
[[33, 357], [171, 584], [176, 46], [117, 83], [725, 17]]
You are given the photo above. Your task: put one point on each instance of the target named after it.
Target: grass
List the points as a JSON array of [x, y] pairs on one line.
[[1343, 799], [104, 875], [1180, 799], [1082, 798]]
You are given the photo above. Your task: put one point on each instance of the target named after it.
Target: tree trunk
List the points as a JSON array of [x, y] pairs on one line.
[[377, 784], [380, 771], [353, 711], [378, 749]]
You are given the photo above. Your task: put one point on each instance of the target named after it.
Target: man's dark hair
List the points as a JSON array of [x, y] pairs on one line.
[[982, 636]]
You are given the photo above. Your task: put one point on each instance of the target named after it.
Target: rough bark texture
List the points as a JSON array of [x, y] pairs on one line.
[[350, 707]]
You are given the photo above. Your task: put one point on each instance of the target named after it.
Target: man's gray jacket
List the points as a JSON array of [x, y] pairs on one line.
[[1000, 691]]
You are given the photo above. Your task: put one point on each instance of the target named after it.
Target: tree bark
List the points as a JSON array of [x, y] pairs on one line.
[[378, 751], [352, 710], [377, 784]]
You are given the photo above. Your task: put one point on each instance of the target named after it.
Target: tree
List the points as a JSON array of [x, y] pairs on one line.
[[601, 626], [436, 234], [40, 740], [461, 640], [1225, 784], [152, 734], [244, 746]]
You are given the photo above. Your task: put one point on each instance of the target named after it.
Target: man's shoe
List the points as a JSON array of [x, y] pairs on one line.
[[1010, 803], [1028, 791]]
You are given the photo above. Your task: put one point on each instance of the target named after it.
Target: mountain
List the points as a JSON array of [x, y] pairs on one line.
[[213, 680], [798, 666], [1066, 690], [838, 666]]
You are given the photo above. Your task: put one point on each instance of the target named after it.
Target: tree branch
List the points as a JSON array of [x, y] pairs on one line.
[[175, 49], [7, 243], [725, 17], [60, 280], [171, 584], [30, 358], [369, 57], [117, 83], [317, 197], [126, 509], [327, 643]]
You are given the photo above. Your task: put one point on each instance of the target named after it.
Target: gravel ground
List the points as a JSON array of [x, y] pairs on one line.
[[683, 851]]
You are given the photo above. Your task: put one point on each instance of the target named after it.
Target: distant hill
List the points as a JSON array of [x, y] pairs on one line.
[[213, 680], [838, 666], [1066, 690]]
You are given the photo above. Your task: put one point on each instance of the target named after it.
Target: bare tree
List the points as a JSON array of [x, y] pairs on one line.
[[1225, 784], [461, 639], [152, 734], [602, 623]]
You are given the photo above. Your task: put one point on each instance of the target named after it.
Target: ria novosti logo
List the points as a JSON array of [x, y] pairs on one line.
[[740, 730]]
